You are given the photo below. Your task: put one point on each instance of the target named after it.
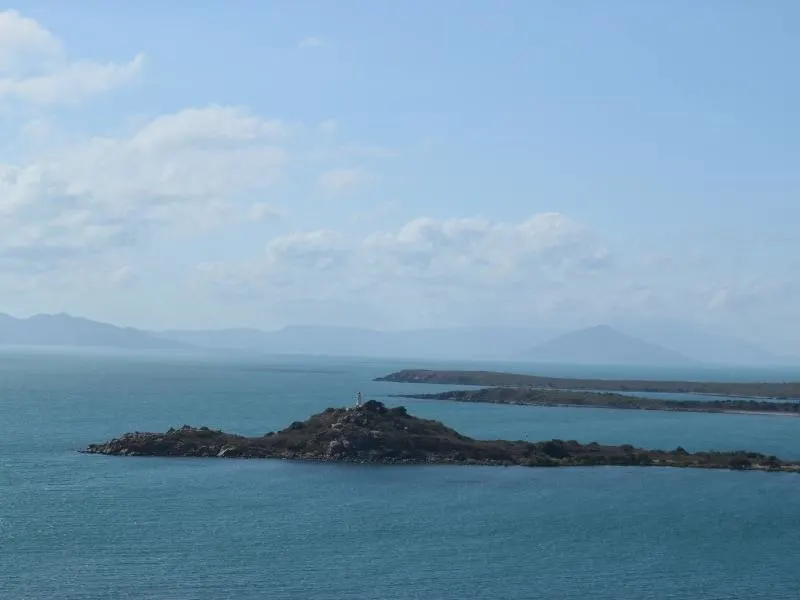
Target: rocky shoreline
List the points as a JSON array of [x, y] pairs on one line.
[[374, 434]]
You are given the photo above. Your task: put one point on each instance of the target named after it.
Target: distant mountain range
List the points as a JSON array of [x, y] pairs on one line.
[[702, 345], [457, 342], [593, 345], [66, 330], [604, 345]]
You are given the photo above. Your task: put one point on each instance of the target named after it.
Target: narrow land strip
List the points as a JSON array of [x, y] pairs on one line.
[[571, 398], [770, 390]]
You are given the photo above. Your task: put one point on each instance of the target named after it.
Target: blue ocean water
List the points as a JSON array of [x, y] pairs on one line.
[[74, 526]]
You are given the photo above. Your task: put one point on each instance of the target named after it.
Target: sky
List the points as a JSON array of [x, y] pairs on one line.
[[402, 165]]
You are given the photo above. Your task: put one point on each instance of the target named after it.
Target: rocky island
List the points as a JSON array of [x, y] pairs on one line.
[[773, 390], [374, 433]]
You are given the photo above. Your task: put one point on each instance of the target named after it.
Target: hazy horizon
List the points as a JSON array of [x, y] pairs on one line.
[[596, 345], [352, 164]]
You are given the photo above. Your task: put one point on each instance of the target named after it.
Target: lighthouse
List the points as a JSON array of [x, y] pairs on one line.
[[359, 399]]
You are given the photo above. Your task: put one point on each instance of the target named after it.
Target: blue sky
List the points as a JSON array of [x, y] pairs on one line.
[[576, 162]]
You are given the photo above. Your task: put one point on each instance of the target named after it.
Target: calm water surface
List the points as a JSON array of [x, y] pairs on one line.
[[90, 527]]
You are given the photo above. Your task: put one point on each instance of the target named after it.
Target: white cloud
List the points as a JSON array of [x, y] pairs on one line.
[[189, 157], [425, 271], [123, 275], [71, 83], [23, 42], [264, 211], [438, 272], [210, 125], [194, 169], [310, 42], [34, 67], [745, 296], [338, 182]]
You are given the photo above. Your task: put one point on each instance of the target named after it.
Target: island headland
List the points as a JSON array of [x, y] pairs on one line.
[[373, 433], [769, 390]]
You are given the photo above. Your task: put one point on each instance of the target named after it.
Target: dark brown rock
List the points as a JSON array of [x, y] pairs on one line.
[[373, 433]]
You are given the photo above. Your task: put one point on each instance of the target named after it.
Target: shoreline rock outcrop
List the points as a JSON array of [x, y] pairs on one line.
[[376, 434]]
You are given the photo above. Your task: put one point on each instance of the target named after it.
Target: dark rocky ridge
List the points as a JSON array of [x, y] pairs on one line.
[[573, 398], [376, 434], [776, 390]]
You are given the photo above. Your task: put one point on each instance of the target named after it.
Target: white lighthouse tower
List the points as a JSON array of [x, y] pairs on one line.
[[359, 400]]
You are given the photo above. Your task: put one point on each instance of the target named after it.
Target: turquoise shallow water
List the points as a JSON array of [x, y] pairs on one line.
[[88, 527]]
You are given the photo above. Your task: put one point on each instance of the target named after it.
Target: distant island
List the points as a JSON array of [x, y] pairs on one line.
[[372, 433], [577, 398], [777, 391]]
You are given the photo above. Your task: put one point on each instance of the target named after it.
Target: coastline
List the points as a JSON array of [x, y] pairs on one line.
[[606, 400], [741, 389]]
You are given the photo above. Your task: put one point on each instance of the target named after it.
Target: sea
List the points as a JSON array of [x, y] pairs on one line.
[[87, 527]]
